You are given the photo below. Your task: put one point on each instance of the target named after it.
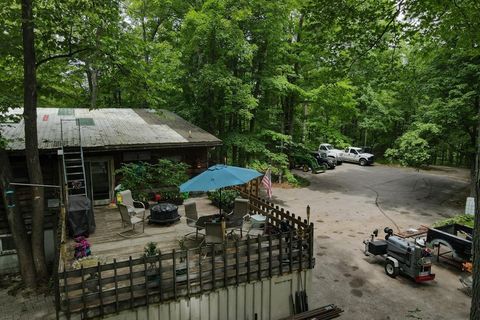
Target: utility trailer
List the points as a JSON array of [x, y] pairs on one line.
[[456, 237], [401, 255]]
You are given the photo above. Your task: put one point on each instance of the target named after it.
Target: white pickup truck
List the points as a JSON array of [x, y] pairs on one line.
[[331, 152], [356, 155]]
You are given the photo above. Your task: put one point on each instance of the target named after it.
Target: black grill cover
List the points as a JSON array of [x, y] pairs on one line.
[[80, 216], [164, 212]]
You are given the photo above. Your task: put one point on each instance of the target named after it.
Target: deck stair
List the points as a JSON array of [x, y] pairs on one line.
[[72, 156]]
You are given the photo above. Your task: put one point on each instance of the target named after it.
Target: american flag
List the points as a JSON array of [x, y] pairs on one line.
[[267, 182]]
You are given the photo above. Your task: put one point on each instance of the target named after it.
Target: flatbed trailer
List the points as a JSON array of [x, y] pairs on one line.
[[457, 238]]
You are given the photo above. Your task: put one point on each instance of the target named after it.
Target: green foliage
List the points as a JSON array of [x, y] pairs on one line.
[[150, 249], [142, 178], [260, 74], [223, 198], [413, 148], [462, 219]]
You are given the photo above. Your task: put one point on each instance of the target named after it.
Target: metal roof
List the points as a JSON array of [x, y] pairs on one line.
[[109, 128]]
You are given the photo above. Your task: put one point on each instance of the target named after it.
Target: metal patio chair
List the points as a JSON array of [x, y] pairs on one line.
[[128, 201], [214, 233], [240, 210], [191, 216], [130, 221]]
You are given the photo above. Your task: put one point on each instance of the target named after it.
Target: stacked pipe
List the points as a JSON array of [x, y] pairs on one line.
[[330, 311]]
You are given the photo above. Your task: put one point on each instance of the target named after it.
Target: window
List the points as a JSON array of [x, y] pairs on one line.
[[85, 122], [7, 245]]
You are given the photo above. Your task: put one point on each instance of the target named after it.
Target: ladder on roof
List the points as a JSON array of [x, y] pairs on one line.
[[73, 161]]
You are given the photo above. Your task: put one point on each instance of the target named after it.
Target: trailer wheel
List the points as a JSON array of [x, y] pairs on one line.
[[305, 168], [390, 269]]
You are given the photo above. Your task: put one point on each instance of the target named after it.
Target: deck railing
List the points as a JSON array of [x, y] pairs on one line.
[[121, 285]]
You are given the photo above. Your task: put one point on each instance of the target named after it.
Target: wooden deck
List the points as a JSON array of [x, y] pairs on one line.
[[107, 244]]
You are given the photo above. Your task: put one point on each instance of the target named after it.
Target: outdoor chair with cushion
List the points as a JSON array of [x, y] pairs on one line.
[[130, 221], [134, 207], [191, 215]]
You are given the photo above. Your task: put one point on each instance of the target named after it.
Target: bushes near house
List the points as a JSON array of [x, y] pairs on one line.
[[145, 179], [227, 199]]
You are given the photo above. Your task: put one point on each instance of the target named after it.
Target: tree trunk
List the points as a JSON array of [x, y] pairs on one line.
[[92, 76], [31, 140], [475, 306], [17, 226]]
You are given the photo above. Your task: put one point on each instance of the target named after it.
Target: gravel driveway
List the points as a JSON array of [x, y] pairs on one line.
[[347, 204]]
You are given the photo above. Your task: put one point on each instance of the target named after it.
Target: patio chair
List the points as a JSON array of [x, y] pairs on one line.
[[129, 220], [240, 210], [240, 207], [128, 201], [214, 233], [191, 215]]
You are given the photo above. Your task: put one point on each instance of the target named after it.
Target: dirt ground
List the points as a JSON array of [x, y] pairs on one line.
[[347, 204]]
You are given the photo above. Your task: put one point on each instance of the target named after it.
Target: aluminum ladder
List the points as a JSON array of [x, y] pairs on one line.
[[73, 161]]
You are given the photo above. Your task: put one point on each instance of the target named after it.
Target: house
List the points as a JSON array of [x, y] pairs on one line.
[[109, 137]]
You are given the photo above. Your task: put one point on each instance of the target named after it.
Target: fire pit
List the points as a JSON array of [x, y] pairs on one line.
[[163, 213]]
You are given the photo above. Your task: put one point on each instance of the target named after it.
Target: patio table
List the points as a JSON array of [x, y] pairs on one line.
[[230, 222]]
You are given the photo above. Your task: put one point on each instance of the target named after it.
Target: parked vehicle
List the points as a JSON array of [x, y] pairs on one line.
[[323, 159], [356, 155], [331, 152], [306, 162], [401, 255]]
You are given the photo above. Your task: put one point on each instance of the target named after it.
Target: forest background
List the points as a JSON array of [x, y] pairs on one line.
[[394, 76]]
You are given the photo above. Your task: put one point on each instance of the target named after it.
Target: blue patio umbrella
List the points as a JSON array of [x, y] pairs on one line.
[[219, 176]]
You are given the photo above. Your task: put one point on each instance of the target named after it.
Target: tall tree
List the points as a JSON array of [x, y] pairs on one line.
[[31, 140]]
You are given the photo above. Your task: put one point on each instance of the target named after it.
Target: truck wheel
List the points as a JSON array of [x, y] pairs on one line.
[[363, 162], [390, 269], [305, 168]]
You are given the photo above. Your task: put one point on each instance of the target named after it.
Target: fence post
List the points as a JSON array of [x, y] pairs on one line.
[[225, 266], [300, 252], [259, 256], [213, 266], [248, 258], [237, 264], [131, 281], [290, 253], [84, 311], [188, 272], [200, 272], [160, 271], [65, 285], [280, 252], [116, 283], [174, 265], [146, 278], [100, 291], [269, 255], [310, 246]]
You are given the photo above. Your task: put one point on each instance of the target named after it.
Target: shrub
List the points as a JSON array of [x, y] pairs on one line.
[[150, 249], [462, 219], [227, 199], [143, 178]]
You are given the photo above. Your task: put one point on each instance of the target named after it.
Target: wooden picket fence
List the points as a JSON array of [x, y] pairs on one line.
[[120, 285]]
